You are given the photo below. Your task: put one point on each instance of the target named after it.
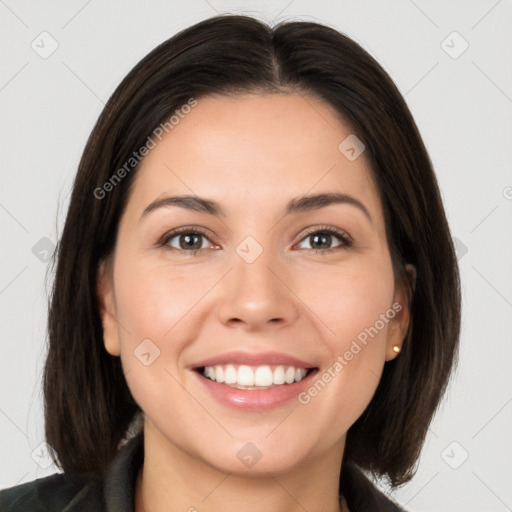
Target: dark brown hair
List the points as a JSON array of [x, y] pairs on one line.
[[88, 405]]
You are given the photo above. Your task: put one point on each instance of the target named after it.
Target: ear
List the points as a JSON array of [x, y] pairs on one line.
[[399, 324], [106, 299]]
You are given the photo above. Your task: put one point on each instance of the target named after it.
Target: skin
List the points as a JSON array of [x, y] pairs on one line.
[[252, 154]]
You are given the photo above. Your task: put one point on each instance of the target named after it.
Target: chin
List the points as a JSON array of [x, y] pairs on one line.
[[249, 460]]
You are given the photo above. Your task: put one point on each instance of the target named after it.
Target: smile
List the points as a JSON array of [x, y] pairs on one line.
[[251, 381], [254, 377]]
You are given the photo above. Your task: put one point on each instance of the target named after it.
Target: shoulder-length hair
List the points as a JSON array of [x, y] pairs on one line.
[[88, 406]]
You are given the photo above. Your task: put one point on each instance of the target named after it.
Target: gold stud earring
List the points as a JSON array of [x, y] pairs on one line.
[[396, 349]]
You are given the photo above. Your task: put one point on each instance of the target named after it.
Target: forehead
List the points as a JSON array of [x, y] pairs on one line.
[[254, 149]]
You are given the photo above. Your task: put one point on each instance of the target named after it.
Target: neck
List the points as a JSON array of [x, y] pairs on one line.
[[172, 476]]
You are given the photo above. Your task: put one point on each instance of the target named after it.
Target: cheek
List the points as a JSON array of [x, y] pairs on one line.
[[350, 302], [355, 309], [155, 303], [157, 312], [154, 313]]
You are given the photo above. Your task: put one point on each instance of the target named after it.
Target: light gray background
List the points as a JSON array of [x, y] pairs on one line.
[[463, 107]]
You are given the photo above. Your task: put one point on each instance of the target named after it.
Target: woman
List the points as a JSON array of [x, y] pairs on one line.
[[256, 297]]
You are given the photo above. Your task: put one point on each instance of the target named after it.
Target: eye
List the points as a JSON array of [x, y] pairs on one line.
[[188, 240], [321, 239]]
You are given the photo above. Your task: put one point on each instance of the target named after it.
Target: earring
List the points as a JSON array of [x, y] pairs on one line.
[[396, 349]]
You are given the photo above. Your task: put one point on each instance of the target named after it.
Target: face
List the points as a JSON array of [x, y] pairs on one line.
[[253, 328]]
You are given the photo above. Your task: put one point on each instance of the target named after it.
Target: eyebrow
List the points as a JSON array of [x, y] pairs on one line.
[[296, 205]]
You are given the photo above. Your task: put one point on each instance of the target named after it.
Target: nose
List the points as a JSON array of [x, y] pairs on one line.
[[258, 295]]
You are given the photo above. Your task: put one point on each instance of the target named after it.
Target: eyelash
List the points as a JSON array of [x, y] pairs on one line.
[[344, 238]]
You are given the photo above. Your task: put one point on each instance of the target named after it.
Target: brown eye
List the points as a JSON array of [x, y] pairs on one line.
[[186, 240], [322, 240], [189, 241]]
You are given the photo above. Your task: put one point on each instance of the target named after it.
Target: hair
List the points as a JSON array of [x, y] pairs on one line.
[[88, 405]]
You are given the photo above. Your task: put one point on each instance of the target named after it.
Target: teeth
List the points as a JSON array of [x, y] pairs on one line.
[[218, 374], [263, 376], [289, 376], [245, 376], [229, 375], [254, 377], [279, 375]]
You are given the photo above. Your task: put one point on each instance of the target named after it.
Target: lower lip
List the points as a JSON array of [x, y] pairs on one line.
[[255, 400]]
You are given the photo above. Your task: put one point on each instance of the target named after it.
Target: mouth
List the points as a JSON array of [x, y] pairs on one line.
[[255, 378], [254, 381]]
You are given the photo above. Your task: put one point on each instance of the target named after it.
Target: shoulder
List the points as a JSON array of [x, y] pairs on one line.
[[81, 492], [54, 492]]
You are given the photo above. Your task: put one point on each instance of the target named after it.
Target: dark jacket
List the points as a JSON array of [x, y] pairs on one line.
[[116, 492]]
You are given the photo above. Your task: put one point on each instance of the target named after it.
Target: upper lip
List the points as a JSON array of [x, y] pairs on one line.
[[254, 359]]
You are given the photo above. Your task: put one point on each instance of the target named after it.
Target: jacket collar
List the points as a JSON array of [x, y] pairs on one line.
[[121, 476]]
